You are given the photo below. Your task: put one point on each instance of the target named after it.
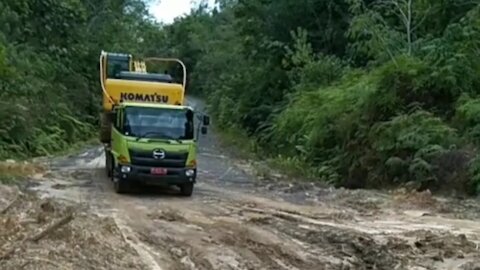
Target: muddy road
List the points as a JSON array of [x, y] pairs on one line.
[[234, 221]]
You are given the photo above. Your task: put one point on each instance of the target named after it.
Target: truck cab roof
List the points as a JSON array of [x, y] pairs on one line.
[[154, 105]]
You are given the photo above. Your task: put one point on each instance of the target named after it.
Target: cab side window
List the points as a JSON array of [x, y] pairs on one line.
[[118, 120], [115, 66]]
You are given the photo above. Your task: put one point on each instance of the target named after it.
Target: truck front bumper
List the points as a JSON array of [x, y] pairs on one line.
[[142, 174]]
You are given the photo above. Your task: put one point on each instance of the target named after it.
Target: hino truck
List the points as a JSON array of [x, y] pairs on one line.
[[149, 132]]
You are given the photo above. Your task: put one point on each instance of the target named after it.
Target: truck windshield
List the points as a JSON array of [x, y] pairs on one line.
[[159, 123]]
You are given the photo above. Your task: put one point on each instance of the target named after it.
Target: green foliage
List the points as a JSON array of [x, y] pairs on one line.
[[410, 133], [49, 92], [467, 118], [411, 141], [309, 71], [353, 92], [359, 93], [474, 171], [356, 92]]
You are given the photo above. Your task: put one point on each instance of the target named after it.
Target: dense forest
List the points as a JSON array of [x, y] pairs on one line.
[[356, 93], [49, 51]]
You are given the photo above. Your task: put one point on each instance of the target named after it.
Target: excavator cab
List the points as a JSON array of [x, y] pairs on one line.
[[116, 63]]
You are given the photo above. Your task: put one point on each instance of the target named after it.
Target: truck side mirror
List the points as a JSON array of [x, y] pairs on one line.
[[204, 130], [206, 120]]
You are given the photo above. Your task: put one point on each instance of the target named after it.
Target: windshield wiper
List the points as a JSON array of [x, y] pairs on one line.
[[174, 139], [158, 133]]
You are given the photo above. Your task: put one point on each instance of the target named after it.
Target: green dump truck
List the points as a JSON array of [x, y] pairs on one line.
[[149, 133]]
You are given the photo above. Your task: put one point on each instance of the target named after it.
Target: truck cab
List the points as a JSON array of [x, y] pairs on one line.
[[149, 135], [155, 145]]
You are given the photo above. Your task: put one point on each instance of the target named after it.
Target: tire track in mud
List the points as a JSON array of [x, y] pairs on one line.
[[277, 239], [142, 250], [87, 168], [232, 243], [221, 241], [220, 228]]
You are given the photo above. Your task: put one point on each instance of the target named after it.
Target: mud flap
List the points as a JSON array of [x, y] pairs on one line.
[[186, 189], [108, 164]]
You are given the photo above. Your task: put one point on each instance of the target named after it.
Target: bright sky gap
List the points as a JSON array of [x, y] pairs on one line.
[[167, 10]]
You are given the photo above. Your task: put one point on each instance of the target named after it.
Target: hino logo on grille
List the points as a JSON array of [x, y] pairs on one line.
[[158, 154]]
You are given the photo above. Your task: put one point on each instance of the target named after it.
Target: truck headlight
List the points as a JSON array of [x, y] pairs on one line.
[[125, 169], [189, 172]]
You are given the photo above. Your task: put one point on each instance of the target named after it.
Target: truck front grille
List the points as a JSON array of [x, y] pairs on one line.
[[171, 160]]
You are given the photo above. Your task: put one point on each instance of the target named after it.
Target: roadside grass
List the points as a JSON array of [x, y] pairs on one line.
[[265, 166], [14, 170], [290, 166], [78, 147], [237, 143]]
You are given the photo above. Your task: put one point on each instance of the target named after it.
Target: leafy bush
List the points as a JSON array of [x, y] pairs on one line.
[[322, 126], [467, 118], [411, 141], [332, 130], [351, 92], [356, 91], [49, 92]]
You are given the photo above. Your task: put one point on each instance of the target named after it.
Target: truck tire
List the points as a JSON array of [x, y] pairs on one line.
[[121, 186], [186, 189], [108, 164]]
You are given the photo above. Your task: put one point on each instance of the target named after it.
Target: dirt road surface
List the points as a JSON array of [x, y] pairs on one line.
[[232, 221]]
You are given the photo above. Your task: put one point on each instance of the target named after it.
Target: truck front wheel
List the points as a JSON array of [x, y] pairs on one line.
[[120, 185], [186, 189], [109, 164]]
